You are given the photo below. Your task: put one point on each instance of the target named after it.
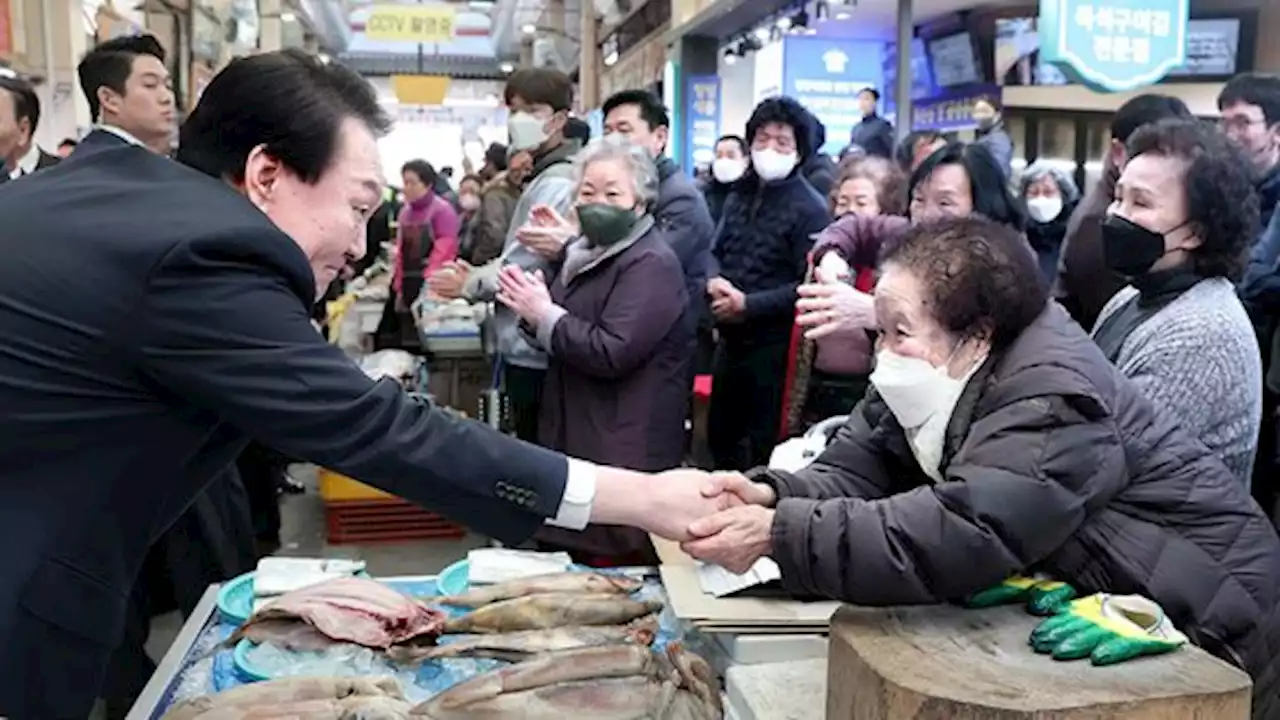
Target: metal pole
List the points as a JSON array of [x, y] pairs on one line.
[[906, 29]]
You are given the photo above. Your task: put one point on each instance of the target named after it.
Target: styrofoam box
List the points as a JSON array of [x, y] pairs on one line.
[[777, 691], [746, 649]]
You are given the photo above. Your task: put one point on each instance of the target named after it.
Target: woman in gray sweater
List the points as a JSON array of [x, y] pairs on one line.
[[1180, 226]]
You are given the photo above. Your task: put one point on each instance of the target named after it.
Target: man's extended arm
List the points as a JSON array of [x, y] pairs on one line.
[[225, 328]]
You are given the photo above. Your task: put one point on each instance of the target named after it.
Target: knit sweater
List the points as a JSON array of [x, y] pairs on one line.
[[1198, 359]]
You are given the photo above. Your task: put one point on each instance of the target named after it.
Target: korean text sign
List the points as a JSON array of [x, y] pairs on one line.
[[406, 23], [825, 75], [701, 120], [1114, 45]]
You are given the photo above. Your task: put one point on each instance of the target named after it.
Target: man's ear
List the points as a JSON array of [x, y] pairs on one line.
[[261, 175], [108, 102]]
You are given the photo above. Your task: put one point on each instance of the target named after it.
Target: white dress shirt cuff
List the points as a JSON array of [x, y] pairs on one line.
[[579, 495]]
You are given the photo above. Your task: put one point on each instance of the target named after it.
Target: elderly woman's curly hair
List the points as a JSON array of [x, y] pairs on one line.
[[889, 181], [1222, 205], [980, 277]]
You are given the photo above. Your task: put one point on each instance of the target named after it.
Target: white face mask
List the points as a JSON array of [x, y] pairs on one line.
[[922, 397], [727, 170], [1044, 209], [772, 165], [526, 131]]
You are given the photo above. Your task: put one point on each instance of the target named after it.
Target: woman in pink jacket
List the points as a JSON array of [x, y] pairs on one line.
[[426, 239]]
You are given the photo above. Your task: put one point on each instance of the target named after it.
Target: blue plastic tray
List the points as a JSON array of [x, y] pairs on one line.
[[454, 580]]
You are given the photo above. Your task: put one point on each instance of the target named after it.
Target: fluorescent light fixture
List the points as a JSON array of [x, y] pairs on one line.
[[762, 33], [288, 17], [843, 16], [528, 28], [507, 67]]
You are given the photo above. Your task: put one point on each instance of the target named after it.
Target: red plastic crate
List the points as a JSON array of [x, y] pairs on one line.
[[370, 521]]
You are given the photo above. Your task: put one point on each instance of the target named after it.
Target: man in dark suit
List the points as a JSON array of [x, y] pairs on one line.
[[185, 331], [19, 118], [874, 134], [213, 540]]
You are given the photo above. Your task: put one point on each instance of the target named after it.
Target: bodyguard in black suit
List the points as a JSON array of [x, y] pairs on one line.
[[185, 331]]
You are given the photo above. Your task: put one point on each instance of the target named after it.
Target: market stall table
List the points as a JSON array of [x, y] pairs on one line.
[[194, 664]]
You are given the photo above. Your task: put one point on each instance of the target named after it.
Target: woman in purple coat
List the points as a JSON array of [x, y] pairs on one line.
[[616, 325]]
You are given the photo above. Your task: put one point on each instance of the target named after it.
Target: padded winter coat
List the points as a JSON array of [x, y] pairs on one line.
[[1053, 461]]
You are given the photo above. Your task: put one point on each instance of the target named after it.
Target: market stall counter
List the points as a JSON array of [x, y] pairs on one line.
[[483, 632]]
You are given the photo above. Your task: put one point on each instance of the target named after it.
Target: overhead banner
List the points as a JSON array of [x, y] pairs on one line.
[[420, 89], [951, 110], [409, 23], [1115, 45], [825, 75], [701, 120]]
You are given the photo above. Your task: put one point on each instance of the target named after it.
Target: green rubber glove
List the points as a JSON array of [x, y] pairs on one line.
[[1107, 629], [1042, 594]]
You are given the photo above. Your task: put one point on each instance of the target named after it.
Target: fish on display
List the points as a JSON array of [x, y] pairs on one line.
[[349, 609], [618, 682], [537, 612], [521, 645], [300, 697], [563, 582]]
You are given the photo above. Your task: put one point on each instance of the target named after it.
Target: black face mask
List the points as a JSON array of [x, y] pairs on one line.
[[1129, 249]]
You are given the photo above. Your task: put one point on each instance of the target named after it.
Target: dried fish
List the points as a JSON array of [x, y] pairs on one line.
[[356, 610], [519, 646], [537, 612], [598, 683], [241, 701], [564, 582]]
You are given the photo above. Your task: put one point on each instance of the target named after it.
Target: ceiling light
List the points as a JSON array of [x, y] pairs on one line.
[[288, 17], [784, 23], [507, 67], [762, 33], [843, 16], [528, 28], [611, 59]]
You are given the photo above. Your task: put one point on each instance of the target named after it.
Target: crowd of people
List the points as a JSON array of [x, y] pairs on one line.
[[1035, 378]]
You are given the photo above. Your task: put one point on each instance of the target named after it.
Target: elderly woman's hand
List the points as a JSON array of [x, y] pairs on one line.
[[733, 539], [547, 231], [740, 489], [828, 308], [526, 294]]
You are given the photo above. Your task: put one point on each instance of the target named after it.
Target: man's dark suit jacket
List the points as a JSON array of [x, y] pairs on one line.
[[127, 385]]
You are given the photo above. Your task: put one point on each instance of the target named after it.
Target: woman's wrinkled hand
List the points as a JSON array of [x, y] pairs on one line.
[[827, 308], [525, 293], [733, 539]]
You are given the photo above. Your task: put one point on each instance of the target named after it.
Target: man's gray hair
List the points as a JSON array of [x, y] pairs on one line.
[[616, 147]]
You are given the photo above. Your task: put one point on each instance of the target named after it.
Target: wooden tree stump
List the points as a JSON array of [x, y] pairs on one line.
[[948, 663]]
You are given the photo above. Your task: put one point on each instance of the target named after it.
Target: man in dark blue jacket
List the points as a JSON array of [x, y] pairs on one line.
[[128, 385], [762, 249], [682, 212]]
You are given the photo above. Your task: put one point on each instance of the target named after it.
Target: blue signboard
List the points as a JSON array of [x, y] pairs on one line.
[[701, 120], [922, 85], [951, 110], [825, 75], [1114, 45]]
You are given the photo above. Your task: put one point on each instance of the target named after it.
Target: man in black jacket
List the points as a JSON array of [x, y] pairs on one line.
[[19, 118], [874, 134], [128, 385], [762, 248]]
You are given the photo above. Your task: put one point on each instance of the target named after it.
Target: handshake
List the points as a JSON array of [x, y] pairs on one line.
[[720, 518]]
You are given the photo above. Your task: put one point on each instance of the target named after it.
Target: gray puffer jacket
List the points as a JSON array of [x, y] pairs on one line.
[[1055, 462]]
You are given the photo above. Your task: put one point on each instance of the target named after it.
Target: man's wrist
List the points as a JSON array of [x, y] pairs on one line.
[[616, 500]]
